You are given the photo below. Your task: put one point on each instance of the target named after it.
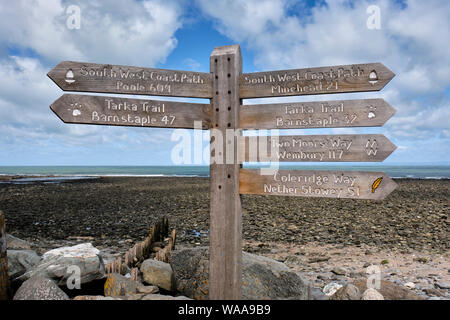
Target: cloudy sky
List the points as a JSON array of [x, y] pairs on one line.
[[412, 41]]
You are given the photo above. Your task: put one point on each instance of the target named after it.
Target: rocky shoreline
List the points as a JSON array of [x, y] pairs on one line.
[[405, 236]]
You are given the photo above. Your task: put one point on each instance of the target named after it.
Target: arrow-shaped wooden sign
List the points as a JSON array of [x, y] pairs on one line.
[[316, 114], [106, 78], [328, 184], [317, 148], [334, 79], [103, 110]]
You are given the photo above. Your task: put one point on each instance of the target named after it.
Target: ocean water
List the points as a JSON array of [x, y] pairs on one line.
[[71, 172]]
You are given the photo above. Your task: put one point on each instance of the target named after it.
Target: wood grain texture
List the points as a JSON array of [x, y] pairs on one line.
[[323, 80], [316, 114], [106, 78], [317, 148], [225, 264], [103, 110], [4, 278], [315, 183]]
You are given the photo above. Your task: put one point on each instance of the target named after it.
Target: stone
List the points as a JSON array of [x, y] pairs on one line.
[[21, 261], [147, 289], [96, 298], [433, 292], [372, 294], [317, 294], [118, 285], [389, 290], [331, 288], [318, 259], [339, 271], [55, 264], [442, 285], [347, 292], [262, 278], [163, 297], [410, 285], [13, 243], [157, 273], [40, 288]]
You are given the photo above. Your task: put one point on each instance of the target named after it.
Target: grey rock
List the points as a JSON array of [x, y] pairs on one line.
[[372, 294], [59, 264], [21, 261], [13, 243], [339, 271], [262, 278], [96, 298], [442, 285], [118, 285], [347, 292], [158, 273], [389, 290], [40, 288], [318, 259], [147, 289], [433, 292], [317, 294], [163, 297], [331, 288]]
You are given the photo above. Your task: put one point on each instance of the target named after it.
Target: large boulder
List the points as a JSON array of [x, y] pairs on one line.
[[262, 278], [158, 273], [40, 288], [55, 264], [21, 261]]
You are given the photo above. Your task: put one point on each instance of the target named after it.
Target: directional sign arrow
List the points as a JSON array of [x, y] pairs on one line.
[[316, 114], [106, 78], [103, 110], [334, 79], [328, 184], [316, 148]]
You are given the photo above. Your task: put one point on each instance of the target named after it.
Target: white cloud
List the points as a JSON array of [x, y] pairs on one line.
[[119, 32], [410, 42]]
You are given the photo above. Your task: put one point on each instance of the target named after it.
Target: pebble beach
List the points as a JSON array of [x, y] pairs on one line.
[[406, 234]]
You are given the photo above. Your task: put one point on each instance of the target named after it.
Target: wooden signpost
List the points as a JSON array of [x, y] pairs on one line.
[[106, 78], [320, 148], [317, 114], [112, 111], [328, 184], [335, 79], [226, 86]]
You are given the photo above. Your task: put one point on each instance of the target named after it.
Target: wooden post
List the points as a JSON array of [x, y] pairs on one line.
[[225, 263], [4, 278]]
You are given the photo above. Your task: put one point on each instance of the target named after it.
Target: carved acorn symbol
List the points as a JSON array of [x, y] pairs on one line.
[[70, 78]]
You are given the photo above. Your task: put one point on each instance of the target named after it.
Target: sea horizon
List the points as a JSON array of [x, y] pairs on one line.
[[414, 171]]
